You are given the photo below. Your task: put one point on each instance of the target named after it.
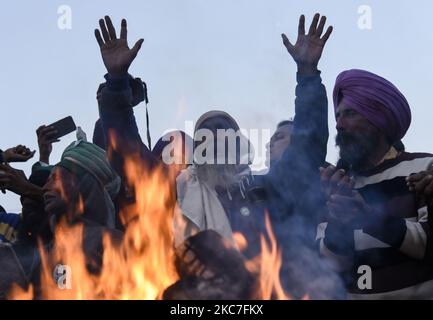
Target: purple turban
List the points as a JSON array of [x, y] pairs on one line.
[[375, 98]]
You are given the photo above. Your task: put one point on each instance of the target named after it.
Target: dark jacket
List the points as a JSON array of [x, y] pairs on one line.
[[293, 182]]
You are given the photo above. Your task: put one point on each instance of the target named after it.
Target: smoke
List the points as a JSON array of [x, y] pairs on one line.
[[297, 206]]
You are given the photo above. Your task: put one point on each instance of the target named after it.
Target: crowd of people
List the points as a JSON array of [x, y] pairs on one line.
[[372, 208]]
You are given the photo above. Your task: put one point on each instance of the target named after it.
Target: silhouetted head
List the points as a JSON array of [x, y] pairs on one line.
[[175, 149], [280, 140]]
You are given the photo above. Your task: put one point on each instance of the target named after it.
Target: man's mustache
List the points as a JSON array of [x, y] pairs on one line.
[[345, 138]]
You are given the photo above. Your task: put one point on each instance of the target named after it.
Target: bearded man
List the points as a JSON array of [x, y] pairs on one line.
[[213, 193], [375, 231]]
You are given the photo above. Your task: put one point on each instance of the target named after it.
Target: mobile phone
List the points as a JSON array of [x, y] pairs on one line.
[[64, 126]]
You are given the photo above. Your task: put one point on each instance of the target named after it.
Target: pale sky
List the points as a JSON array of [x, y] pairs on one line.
[[200, 55]]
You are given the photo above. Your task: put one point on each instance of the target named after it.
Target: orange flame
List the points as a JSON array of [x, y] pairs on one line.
[[267, 267], [240, 241], [17, 293], [270, 265], [142, 265]]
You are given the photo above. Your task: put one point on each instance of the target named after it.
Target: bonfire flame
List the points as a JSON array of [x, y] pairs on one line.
[[142, 265], [270, 265]]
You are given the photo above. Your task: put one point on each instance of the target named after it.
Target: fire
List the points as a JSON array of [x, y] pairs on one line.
[[270, 265], [17, 293], [240, 241], [267, 267], [141, 266]]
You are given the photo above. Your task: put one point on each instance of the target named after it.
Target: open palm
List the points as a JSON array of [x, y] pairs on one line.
[[308, 47], [116, 54]]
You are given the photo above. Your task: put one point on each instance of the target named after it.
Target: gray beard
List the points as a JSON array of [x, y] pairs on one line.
[[219, 175]]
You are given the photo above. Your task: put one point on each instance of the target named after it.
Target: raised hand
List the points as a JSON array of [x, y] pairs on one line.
[[116, 54], [308, 47], [46, 137], [18, 154]]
